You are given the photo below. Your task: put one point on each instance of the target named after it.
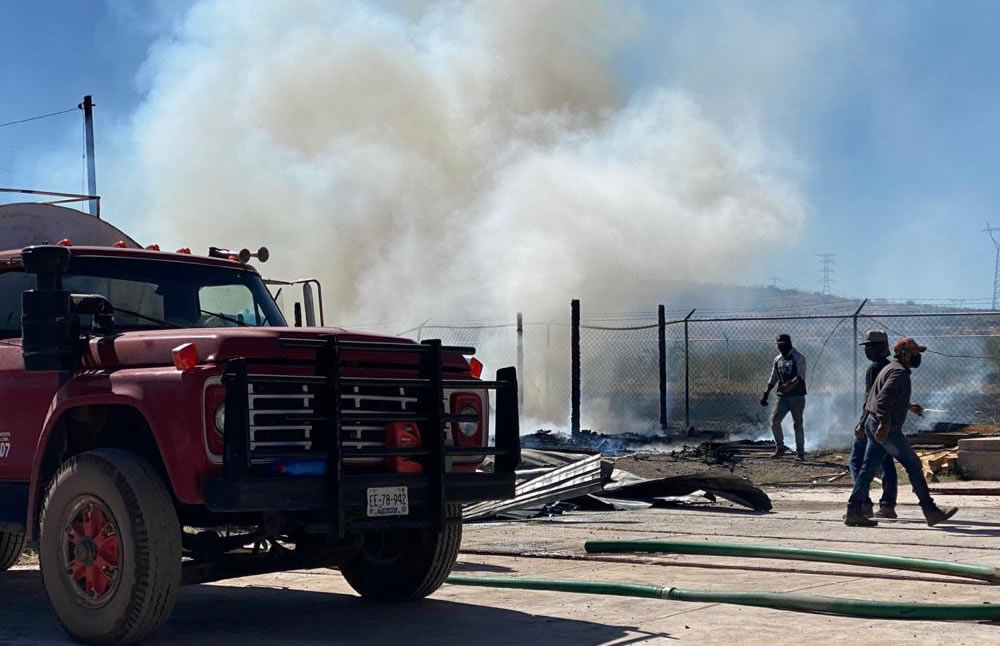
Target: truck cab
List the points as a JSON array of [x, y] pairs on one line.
[[164, 425]]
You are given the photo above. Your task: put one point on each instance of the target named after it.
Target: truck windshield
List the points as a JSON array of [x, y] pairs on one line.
[[158, 293], [178, 293]]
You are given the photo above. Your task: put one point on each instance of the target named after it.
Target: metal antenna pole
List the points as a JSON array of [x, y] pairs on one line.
[[88, 122], [996, 265]]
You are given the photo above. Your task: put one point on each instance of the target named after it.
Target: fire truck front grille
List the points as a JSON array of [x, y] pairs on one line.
[[284, 420]]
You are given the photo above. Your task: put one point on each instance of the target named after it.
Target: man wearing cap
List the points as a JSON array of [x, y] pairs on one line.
[[887, 403], [876, 346], [788, 373]]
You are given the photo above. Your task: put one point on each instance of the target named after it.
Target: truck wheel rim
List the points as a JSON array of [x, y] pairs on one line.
[[93, 551], [384, 548]]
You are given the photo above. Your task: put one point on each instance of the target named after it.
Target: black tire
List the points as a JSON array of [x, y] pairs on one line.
[[124, 487], [11, 545], [405, 564]]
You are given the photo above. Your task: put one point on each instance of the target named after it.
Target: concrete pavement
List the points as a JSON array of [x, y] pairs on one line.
[[317, 606]]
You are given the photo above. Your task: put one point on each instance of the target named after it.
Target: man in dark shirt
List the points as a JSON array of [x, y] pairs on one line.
[[788, 373], [887, 403], [877, 350]]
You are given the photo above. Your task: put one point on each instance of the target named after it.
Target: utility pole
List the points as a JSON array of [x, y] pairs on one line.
[[88, 123], [996, 266], [827, 261]]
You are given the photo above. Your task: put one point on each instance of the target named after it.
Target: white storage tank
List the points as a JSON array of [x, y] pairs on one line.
[[29, 223]]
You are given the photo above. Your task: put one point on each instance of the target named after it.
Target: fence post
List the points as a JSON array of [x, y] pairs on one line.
[[575, 372], [729, 354], [520, 362], [548, 343], [687, 373], [854, 344], [661, 313]]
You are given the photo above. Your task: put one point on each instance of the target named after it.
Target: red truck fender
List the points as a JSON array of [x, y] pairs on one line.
[[124, 393]]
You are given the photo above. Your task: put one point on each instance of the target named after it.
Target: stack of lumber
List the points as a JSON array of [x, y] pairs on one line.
[[937, 461]]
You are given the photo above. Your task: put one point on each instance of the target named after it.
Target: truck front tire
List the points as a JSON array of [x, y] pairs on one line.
[[110, 548], [11, 545], [405, 564]]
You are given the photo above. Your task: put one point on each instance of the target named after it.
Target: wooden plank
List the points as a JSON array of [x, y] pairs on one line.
[[935, 461]]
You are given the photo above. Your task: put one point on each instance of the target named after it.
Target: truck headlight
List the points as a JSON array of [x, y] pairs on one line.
[[220, 418], [468, 429]]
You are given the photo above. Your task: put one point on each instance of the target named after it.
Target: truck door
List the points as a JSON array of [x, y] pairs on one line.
[[24, 396]]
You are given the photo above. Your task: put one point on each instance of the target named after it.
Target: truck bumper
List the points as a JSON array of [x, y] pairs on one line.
[[309, 493]]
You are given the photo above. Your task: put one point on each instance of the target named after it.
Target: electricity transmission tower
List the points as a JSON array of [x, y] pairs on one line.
[[827, 261], [996, 266]]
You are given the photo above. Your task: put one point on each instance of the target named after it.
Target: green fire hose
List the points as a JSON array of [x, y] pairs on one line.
[[781, 601], [981, 572]]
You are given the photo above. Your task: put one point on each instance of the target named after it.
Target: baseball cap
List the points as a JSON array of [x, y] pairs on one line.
[[875, 336], [907, 343]]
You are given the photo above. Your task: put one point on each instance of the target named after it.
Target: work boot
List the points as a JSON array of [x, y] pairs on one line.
[[800, 456], [885, 511], [780, 451], [868, 509], [855, 519], [935, 515]]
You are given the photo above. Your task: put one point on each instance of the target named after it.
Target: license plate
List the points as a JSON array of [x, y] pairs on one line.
[[388, 501]]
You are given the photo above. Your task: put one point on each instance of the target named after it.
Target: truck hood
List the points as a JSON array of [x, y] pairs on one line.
[[215, 345]]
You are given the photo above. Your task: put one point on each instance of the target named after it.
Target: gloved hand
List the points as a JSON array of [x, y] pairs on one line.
[[763, 400], [882, 433], [859, 431]]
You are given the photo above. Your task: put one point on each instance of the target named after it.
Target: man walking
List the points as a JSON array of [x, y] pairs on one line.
[[876, 346], [887, 403], [788, 373]]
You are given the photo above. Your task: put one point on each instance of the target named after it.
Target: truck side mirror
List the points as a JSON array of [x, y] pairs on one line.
[[47, 324], [48, 339], [310, 304]]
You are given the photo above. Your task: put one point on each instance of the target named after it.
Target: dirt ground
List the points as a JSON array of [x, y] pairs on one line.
[[822, 468], [818, 468]]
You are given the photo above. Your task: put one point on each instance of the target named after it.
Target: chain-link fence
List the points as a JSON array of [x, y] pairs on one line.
[[717, 370], [619, 377], [958, 378], [642, 372], [729, 362]]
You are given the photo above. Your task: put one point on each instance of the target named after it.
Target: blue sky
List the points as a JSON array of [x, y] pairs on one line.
[[887, 113]]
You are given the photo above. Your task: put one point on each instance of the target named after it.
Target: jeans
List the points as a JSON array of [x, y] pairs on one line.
[[890, 481], [796, 405], [896, 446]]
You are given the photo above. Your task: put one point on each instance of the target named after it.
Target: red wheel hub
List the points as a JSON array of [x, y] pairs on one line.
[[93, 550]]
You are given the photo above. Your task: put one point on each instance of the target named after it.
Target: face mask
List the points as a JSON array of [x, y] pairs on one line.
[[876, 352], [915, 361]]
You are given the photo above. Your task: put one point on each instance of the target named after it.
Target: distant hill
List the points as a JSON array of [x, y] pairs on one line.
[[721, 300]]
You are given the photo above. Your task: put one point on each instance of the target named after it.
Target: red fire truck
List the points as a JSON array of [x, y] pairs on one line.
[[162, 424]]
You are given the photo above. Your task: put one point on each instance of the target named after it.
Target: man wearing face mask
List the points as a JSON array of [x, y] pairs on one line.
[[788, 373], [887, 403], [877, 350]]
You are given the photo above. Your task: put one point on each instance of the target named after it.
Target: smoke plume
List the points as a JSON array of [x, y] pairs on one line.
[[446, 159]]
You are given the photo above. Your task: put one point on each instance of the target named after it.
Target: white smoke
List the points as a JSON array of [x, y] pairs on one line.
[[448, 159]]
